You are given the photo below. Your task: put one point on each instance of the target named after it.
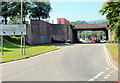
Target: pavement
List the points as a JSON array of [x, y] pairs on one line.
[[76, 62]]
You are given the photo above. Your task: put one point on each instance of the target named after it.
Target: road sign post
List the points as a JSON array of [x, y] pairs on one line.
[[2, 45], [13, 29], [24, 52], [21, 50]]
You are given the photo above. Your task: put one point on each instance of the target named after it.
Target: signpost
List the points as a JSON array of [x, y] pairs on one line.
[[13, 29]]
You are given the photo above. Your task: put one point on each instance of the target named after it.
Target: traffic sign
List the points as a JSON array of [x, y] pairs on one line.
[[13, 29]]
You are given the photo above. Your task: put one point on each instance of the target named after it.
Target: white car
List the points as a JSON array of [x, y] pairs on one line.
[[103, 41]]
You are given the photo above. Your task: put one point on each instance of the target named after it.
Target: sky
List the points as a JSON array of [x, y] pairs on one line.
[[77, 10]]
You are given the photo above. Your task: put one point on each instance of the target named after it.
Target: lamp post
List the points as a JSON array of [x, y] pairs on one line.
[[22, 36], [21, 51]]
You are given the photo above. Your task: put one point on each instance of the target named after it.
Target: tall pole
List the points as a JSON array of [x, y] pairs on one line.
[[21, 46], [21, 51], [22, 40], [2, 44], [24, 46], [21, 11], [85, 35]]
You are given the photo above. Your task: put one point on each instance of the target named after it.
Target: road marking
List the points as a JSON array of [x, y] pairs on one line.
[[112, 72], [105, 77], [108, 75], [107, 68], [100, 74], [91, 80], [97, 76], [109, 62]]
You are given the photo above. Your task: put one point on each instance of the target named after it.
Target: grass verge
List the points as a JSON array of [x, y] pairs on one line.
[[12, 51], [113, 48]]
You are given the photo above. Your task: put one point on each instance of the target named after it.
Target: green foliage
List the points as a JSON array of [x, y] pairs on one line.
[[40, 10], [12, 10], [113, 49], [14, 39], [68, 41], [12, 51], [6, 11], [79, 22], [90, 34], [72, 26], [112, 12], [15, 20]]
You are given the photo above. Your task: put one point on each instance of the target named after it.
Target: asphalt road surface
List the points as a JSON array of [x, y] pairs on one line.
[[77, 62]]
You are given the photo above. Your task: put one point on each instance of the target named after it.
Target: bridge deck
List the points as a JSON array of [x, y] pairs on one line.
[[90, 27]]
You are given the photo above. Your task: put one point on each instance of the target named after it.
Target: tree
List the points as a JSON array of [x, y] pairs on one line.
[[15, 20], [5, 11], [40, 10], [79, 22], [30, 9], [112, 12], [9, 10], [26, 8]]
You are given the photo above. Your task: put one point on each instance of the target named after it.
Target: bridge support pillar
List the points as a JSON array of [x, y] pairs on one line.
[[74, 36], [107, 34], [110, 35]]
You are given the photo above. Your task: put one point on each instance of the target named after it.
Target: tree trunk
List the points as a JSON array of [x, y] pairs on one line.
[[23, 20], [39, 18], [5, 20]]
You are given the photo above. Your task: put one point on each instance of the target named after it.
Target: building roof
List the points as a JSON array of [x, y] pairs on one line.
[[63, 21], [90, 26]]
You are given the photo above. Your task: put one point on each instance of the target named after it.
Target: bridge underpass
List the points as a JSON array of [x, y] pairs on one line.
[[89, 27]]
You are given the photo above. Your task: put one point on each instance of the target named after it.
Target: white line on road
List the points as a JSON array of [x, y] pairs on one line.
[[108, 75], [109, 62], [91, 80], [97, 76], [107, 68], [105, 77], [100, 74]]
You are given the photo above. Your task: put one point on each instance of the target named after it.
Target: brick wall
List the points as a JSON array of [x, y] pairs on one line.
[[38, 28]]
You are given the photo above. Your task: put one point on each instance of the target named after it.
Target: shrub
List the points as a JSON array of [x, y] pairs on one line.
[[68, 41]]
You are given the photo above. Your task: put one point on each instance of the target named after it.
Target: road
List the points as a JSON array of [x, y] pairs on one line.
[[76, 62]]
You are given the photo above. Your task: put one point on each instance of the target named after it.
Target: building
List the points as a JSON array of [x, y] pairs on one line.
[[52, 20], [41, 32], [63, 21], [57, 20]]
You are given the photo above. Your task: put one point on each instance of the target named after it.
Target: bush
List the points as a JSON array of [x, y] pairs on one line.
[[108, 41], [14, 39], [113, 41], [68, 41]]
